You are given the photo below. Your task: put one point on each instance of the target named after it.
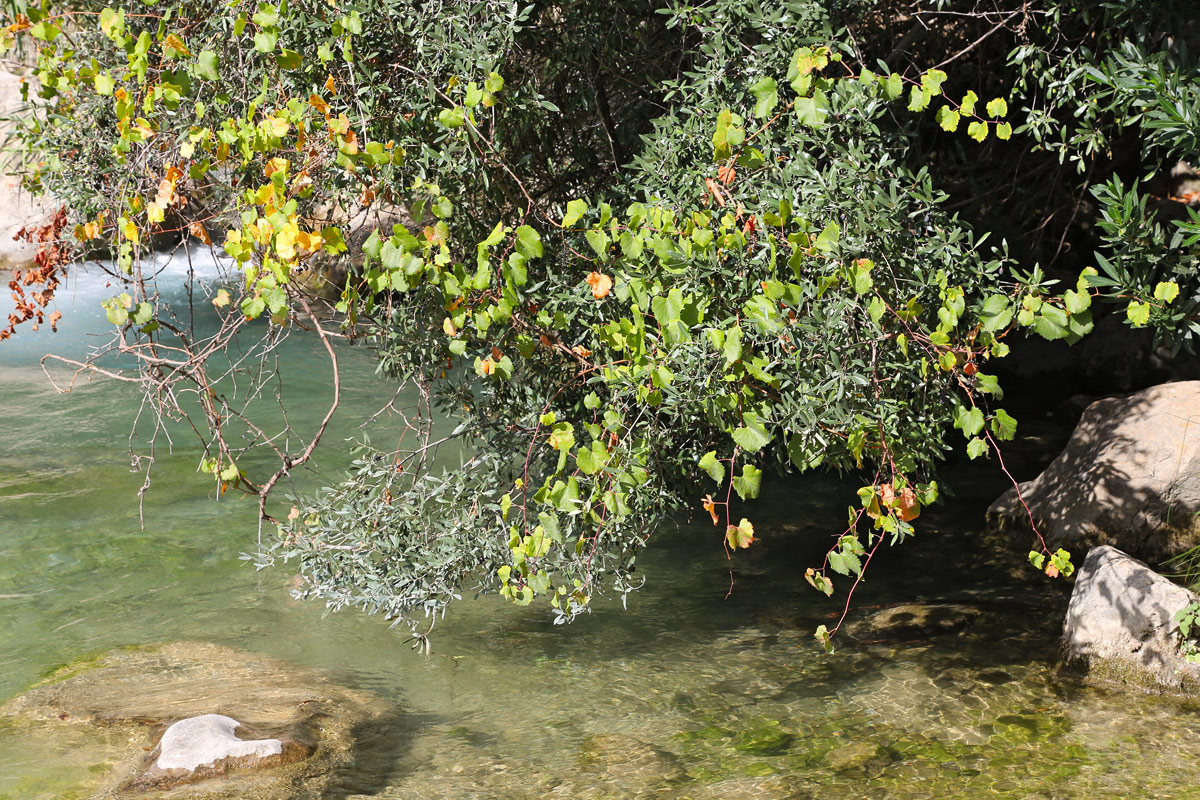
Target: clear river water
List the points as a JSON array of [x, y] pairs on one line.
[[694, 691]]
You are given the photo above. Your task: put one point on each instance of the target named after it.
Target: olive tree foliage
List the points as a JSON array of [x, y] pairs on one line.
[[650, 255]]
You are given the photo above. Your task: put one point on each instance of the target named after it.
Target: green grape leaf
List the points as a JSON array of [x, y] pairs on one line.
[[766, 97], [747, 484], [714, 468], [1166, 291], [575, 211], [1138, 313]]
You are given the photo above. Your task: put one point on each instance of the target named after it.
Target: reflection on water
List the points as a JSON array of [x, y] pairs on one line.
[[685, 695]]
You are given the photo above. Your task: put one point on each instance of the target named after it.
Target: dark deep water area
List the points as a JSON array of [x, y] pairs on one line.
[[696, 690]]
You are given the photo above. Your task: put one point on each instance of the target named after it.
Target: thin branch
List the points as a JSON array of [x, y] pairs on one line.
[[288, 462]]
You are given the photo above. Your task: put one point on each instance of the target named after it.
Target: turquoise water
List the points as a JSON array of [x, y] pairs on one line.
[[689, 693]]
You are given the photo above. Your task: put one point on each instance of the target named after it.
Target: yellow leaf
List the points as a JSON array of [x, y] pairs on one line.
[[129, 231], [175, 43], [260, 233], [222, 299], [90, 230], [154, 212], [316, 102], [309, 242], [265, 194], [187, 149], [285, 243], [277, 126], [277, 165], [330, 86]]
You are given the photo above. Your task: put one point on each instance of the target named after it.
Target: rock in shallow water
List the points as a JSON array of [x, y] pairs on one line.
[[201, 741], [1120, 624], [310, 723], [914, 621]]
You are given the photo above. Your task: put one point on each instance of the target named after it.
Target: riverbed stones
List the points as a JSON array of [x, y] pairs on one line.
[[914, 621], [194, 720], [1129, 477], [1120, 624], [621, 762]]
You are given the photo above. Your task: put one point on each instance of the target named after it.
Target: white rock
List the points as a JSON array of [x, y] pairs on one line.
[[197, 741], [1120, 623]]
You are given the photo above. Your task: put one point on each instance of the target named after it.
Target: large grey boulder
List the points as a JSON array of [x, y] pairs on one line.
[[1120, 624], [1129, 477]]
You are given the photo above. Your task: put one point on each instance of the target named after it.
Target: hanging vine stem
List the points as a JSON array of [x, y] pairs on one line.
[[288, 462]]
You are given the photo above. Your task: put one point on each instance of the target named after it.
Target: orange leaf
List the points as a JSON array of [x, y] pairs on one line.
[[198, 230], [715, 190], [710, 507], [329, 85], [904, 505], [726, 175], [601, 285]]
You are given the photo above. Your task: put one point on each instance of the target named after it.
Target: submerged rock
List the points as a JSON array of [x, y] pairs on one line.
[[194, 720], [1120, 624], [615, 761], [1129, 477], [908, 621], [855, 756]]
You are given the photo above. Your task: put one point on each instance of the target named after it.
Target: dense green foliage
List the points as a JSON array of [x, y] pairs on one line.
[[650, 252]]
